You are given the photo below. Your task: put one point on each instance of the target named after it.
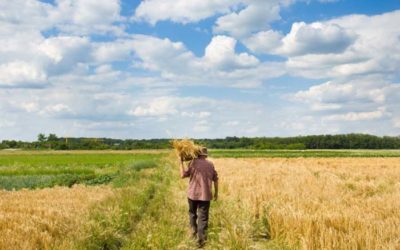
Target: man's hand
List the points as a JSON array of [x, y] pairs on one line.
[[183, 169], [216, 190], [215, 196]]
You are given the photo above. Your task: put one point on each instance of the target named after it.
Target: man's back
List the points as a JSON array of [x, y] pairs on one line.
[[202, 173]]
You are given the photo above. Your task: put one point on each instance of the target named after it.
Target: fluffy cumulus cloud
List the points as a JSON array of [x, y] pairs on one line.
[[314, 38], [21, 74], [69, 16], [220, 65], [363, 86], [181, 11], [29, 59], [364, 99], [257, 15], [158, 107], [342, 47], [87, 16], [237, 18], [264, 42], [220, 53]]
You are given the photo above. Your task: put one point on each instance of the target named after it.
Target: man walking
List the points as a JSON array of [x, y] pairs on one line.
[[201, 173]]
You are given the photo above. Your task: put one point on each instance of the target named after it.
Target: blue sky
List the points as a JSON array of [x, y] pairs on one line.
[[199, 68]]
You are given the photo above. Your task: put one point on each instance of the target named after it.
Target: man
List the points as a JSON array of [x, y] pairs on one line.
[[201, 173]]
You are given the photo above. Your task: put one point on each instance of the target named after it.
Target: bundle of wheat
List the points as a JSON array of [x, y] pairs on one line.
[[186, 149]]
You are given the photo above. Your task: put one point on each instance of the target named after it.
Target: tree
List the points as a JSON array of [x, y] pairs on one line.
[[41, 137], [52, 137]]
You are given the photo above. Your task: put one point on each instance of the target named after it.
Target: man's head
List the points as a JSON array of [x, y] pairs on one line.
[[203, 153]]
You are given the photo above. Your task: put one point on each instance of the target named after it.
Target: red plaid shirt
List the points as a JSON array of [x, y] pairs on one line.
[[202, 173]]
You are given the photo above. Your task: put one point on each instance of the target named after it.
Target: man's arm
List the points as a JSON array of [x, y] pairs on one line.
[[184, 172], [215, 180], [215, 190]]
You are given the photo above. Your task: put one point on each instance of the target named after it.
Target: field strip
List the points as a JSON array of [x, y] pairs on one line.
[[164, 225], [82, 152]]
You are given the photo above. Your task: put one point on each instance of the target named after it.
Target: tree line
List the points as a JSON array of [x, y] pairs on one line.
[[344, 141]]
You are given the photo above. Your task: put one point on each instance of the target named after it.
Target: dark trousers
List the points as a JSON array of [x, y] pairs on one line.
[[198, 214]]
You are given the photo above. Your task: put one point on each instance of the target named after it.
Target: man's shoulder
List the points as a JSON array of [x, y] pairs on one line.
[[203, 161], [209, 162]]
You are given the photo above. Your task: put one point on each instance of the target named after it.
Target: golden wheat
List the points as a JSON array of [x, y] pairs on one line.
[[186, 149], [38, 219], [316, 203]]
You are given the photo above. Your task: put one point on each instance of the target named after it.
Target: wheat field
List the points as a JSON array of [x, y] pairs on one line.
[[313, 203], [264, 203], [39, 219]]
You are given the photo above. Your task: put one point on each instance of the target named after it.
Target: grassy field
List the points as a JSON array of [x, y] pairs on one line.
[[23, 169], [136, 200]]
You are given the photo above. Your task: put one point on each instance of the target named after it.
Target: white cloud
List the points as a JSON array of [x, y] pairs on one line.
[[314, 38], [33, 63], [220, 54], [157, 107], [365, 89], [239, 17], [30, 106], [163, 55], [375, 51], [181, 11], [199, 115], [61, 47], [367, 98], [119, 50], [69, 16], [357, 116], [219, 66], [338, 48], [23, 74], [264, 42], [28, 59], [87, 16], [256, 16], [65, 52], [325, 106], [25, 14], [56, 109]]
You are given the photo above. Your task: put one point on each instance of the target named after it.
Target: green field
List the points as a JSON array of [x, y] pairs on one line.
[[47, 169]]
